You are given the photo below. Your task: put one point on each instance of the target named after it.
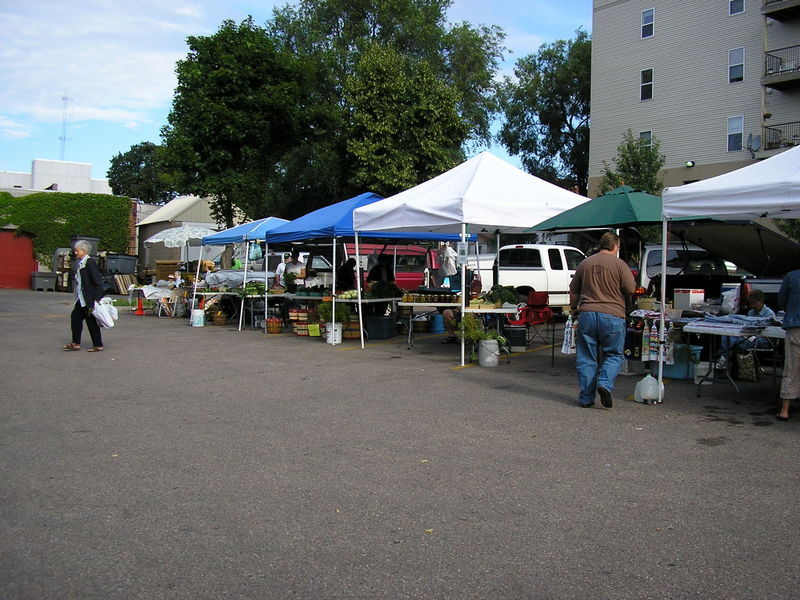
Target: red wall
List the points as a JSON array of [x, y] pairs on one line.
[[16, 260]]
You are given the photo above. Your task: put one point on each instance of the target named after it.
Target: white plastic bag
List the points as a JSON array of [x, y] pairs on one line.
[[646, 391], [105, 312], [568, 345]]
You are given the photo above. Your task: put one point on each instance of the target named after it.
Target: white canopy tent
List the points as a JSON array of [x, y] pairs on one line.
[[484, 193], [766, 189]]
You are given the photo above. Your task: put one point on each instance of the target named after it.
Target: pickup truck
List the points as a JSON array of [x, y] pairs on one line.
[[528, 267], [692, 267]]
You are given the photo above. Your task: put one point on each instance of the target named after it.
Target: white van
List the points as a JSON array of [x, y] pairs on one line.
[[540, 267]]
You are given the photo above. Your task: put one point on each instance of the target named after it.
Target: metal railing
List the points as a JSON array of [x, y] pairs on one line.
[[782, 136], [782, 60]]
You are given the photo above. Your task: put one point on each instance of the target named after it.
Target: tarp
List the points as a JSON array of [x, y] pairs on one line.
[[252, 230], [621, 207], [484, 192], [769, 188], [336, 220]]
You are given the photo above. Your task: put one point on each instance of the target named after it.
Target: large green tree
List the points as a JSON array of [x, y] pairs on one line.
[[546, 107], [637, 164], [236, 111], [137, 174], [405, 123]]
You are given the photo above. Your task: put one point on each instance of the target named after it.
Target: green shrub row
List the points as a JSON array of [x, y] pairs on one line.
[[55, 217]]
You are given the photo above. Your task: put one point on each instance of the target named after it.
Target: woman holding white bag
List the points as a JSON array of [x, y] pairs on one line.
[[87, 284]]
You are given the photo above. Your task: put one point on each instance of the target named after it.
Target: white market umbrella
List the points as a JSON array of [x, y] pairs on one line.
[[177, 237]]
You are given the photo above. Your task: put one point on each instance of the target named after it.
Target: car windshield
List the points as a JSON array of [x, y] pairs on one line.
[[688, 262]]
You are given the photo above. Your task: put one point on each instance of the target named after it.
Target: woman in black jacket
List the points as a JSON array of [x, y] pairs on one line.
[[88, 286]]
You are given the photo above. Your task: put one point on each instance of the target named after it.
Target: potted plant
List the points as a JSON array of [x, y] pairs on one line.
[[486, 343], [325, 311]]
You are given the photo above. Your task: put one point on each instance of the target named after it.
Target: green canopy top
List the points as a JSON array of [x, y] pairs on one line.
[[621, 207]]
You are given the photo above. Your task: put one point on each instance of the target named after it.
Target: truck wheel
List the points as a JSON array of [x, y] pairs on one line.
[[522, 292]]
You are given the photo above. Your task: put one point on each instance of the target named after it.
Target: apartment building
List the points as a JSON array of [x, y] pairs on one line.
[[716, 81]]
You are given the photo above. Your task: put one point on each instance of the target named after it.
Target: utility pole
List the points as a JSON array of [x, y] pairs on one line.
[[63, 138]]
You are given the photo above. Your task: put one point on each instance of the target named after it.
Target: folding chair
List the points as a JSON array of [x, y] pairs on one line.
[[537, 316], [540, 317]]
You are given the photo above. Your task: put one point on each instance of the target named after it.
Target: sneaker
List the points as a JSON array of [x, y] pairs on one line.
[[605, 397], [582, 405], [722, 362]]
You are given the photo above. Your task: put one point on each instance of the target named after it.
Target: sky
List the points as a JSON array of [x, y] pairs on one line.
[[109, 66]]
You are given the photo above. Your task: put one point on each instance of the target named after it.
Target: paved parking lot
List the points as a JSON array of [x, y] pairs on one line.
[[195, 463]]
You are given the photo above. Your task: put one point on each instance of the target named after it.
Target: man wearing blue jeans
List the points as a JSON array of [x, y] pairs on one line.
[[597, 297]]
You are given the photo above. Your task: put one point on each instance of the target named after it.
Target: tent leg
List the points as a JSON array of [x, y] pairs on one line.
[[358, 286]]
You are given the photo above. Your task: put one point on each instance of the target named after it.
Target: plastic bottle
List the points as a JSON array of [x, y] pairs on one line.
[[645, 341]]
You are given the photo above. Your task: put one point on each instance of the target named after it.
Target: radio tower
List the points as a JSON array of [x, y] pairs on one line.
[[63, 138]]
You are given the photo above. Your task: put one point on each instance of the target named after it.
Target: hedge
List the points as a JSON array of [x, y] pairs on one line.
[[55, 217]]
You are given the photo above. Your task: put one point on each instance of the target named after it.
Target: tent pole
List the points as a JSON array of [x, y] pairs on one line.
[[333, 300], [194, 287], [463, 288], [266, 281], [358, 285], [661, 340], [244, 283]]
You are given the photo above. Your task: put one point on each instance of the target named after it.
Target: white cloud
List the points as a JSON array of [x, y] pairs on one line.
[[116, 62], [12, 130]]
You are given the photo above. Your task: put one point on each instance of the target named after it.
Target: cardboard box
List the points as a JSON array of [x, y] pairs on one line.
[[685, 298]]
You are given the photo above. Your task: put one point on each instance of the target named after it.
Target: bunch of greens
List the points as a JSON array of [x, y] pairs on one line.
[[384, 289], [503, 293]]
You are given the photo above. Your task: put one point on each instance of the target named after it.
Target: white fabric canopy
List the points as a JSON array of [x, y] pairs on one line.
[[484, 192], [769, 188]]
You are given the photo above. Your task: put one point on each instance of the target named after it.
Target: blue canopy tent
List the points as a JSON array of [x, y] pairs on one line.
[[251, 231], [246, 232], [336, 221]]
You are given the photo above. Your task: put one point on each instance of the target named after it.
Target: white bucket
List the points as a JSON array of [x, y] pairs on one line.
[[488, 353], [333, 333], [198, 317], [700, 370]]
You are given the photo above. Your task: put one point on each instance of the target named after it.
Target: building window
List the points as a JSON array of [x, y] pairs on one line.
[[735, 65], [648, 22], [735, 7], [735, 132], [646, 138], [646, 92]]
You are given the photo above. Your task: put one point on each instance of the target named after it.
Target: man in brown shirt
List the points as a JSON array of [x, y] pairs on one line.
[[597, 297]]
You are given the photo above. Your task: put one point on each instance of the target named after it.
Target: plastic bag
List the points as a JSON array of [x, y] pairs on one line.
[[255, 252], [646, 391], [568, 345], [102, 314], [730, 301]]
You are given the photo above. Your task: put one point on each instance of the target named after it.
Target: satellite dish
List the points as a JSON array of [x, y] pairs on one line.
[[753, 144]]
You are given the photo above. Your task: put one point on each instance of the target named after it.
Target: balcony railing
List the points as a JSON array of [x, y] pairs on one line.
[[782, 136], [782, 60], [782, 68], [781, 9]]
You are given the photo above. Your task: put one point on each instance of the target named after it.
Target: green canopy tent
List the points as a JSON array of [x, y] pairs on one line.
[[621, 207]]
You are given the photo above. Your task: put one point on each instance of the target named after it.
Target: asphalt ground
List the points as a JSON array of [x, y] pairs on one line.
[[188, 462]]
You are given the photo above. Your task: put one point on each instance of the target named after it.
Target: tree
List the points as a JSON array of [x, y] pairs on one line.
[[137, 174], [637, 164], [235, 113], [790, 227], [336, 35], [546, 107], [405, 123]]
